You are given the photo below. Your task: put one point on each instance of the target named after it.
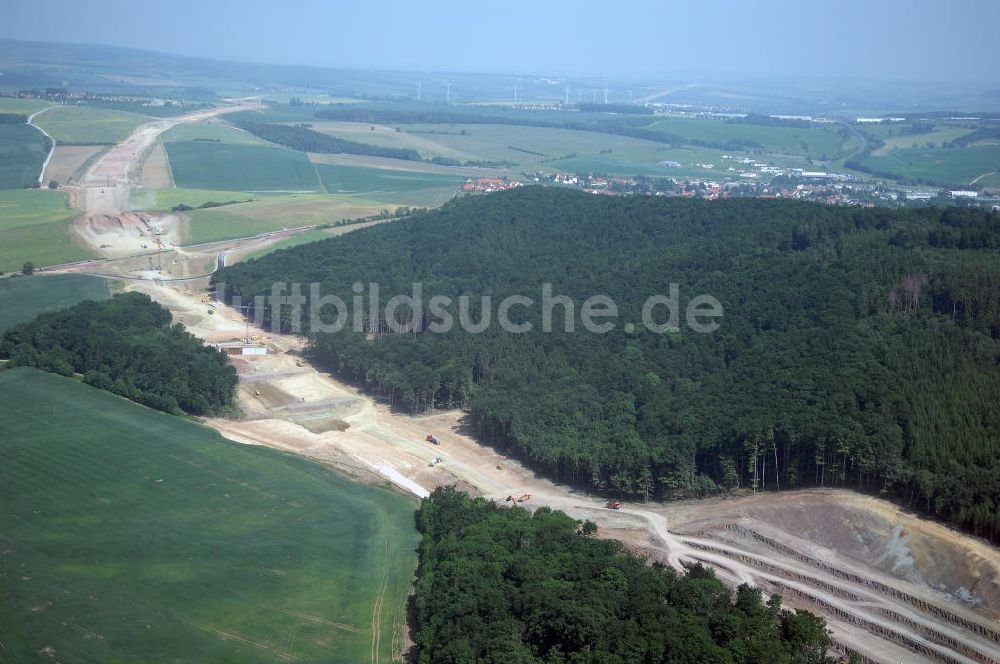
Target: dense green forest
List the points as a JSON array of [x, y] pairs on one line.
[[859, 347], [503, 585], [126, 345], [303, 138]]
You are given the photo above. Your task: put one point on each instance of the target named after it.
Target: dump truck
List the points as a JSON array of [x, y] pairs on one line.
[[436, 461], [613, 504], [432, 439]]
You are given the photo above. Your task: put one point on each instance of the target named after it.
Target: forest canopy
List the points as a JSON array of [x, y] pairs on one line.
[[859, 347], [126, 345], [505, 585]]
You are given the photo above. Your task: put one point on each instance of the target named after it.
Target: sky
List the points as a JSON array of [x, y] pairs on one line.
[[913, 40]]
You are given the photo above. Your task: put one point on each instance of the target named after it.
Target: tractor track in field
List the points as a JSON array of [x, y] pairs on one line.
[[377, 606], [263, 647]]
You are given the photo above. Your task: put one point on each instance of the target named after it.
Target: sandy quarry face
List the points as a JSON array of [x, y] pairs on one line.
[[876, 534], [130, 233]]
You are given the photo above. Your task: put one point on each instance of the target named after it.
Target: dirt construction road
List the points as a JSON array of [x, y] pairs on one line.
[[893, 587], [107, 227], [106, 186]]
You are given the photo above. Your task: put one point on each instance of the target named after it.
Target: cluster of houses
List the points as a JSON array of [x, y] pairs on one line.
[[489, 185], [73, 97], [796, 184]]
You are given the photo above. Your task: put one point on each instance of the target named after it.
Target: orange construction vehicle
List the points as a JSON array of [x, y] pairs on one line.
[[525, 497], [511, 499], [612, 504]]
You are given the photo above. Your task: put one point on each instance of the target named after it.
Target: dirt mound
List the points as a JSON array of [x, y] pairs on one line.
[[130, 233], [832, 526]]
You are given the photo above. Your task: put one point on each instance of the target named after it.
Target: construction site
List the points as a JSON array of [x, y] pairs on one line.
[[894, 587]]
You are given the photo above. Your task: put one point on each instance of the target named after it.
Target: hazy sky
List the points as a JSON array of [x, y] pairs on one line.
[[902, 39]]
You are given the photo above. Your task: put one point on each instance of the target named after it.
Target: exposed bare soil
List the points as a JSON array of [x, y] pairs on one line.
[[156, 169], [130, 233], [66, 161], [894, 587]]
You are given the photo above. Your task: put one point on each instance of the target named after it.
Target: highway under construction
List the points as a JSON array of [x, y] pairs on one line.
[[894, 587]]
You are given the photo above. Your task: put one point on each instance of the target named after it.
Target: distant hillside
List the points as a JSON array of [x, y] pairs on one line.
[[25, 64], [96, 67], [859, 347]]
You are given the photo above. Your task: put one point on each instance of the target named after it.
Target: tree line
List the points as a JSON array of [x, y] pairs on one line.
[[299, 137], [631, 125], [126, 345], [504, 585], [858, 348]]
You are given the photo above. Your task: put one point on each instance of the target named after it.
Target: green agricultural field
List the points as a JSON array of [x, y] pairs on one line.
[[530, 148], [23, 298], [294, 241], [991, 182], [264, 212], [688, 157], [22, 152], [22, 106], [286, 113], [423, 189], [89, 125], [817, 142], [534, 148], [935, 138], [165, 199], [199, 165], [34, 226], [939, 166], [413, 137], [129, 535], [282, 100], [210, 131], [274, 213]]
